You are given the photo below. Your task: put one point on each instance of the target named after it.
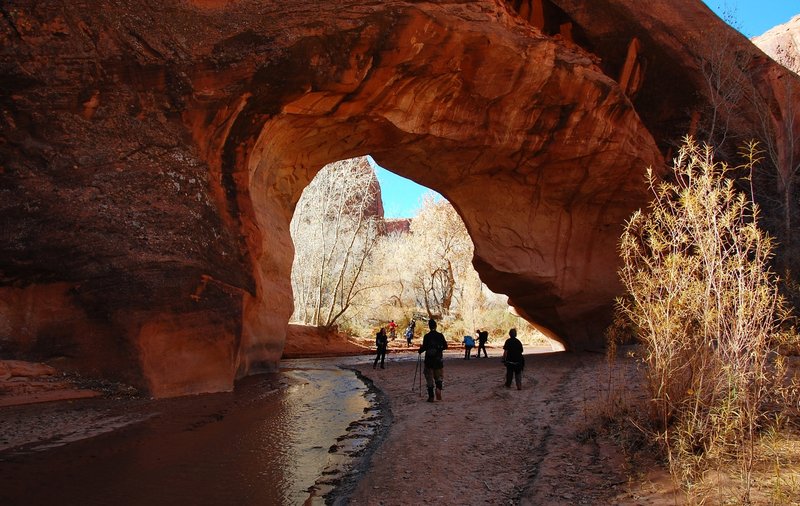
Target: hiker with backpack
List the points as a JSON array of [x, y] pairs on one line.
[[381, 343], [483, 336], [410, 331], [433, 345], [513, 359]]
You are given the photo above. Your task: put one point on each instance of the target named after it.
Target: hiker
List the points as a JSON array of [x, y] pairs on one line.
[[434, 344], [469, 343], [381, 342], [392, 330], [410, 331], [483, 336], [513, 359]]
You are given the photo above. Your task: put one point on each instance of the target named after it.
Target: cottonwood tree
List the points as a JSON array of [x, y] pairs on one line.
[[778, 134], [430, 269], [443, 255], [391, 271], [334, 229], [725, 78], [729, 76], [426, 270]]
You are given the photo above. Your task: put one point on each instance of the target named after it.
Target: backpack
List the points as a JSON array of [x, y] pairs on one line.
[[433, 355], [434, 351]]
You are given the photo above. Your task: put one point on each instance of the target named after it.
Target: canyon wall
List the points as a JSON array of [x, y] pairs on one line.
[[151, 156], [782, 44]]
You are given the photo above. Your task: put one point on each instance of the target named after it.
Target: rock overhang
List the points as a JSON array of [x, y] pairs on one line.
[[200, 124]]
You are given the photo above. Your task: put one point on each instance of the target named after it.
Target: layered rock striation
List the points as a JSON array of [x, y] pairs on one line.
[[151, 156]]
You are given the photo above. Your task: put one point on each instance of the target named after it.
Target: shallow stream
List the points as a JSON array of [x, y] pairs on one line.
[[286, 438]]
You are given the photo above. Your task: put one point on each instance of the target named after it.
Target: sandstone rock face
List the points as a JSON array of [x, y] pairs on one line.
[[151, 156], [305, 341], [398, 226], [782, 44]]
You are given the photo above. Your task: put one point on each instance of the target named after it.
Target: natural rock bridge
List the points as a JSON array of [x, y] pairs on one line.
[[151, 155]]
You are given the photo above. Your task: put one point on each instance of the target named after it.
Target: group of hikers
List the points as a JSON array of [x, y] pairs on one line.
[[433, 346], [469, 343], [382, 340]]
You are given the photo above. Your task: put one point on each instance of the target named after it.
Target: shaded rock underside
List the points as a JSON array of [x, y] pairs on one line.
[[151, 157]]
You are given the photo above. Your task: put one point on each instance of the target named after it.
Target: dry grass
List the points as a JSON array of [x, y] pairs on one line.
[[775, 471], [774, 476], [705, 304]]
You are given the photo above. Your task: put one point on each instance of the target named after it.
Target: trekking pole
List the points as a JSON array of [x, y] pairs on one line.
[[414, 381], [417, 372], [419, 363]]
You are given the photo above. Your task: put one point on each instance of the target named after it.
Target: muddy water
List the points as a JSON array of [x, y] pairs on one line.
[[285, 438]]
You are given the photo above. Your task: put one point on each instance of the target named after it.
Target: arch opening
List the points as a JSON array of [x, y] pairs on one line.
[[538, 150], [355, 270]]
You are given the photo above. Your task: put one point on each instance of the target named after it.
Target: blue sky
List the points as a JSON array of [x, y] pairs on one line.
[[754, 17], [401, 197]]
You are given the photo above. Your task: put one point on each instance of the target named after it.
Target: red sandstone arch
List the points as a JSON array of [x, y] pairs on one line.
[[149, 176], [543, 173]]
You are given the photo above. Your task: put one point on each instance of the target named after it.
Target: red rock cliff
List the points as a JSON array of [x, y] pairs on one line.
[[151, 156]]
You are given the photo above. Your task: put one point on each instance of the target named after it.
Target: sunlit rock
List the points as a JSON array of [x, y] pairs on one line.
[[151, 156], [782, 44]]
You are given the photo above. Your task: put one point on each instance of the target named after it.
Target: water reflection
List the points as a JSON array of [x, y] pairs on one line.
[[285, 438], [321, 408]]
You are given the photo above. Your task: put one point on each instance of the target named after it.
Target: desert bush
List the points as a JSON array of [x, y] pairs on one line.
[[703, 301]]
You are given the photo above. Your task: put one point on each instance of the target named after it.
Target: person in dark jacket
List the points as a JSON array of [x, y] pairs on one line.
[[513, 359], [433, 345], [381, 342], [483, 336]]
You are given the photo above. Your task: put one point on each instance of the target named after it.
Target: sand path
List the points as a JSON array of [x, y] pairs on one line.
[[486, 444]]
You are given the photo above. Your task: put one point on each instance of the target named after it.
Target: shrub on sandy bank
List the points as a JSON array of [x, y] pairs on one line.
[[702, 299]]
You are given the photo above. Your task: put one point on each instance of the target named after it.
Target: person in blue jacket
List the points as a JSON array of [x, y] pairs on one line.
[[469, 343]]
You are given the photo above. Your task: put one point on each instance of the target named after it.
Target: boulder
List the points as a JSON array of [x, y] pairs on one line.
[[21, 369]]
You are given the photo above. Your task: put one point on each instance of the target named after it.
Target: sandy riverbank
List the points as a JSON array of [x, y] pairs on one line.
[[485, 444], [482, 444]]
